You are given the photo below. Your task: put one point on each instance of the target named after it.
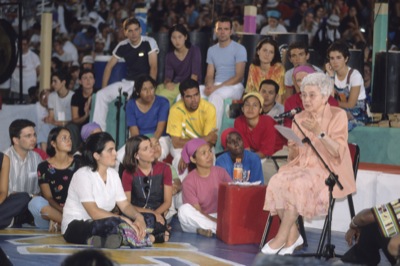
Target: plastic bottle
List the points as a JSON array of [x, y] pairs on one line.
[[238, 170]]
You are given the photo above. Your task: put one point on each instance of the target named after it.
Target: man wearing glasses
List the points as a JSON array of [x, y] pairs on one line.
[[23, 160]]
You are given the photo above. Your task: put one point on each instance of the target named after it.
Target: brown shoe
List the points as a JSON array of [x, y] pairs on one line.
[[204, 232]]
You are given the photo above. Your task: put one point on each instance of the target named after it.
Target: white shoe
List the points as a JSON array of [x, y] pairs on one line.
[[269, 251], [289, 250]]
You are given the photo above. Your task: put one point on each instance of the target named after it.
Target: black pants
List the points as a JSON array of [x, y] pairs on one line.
[[79, 231], [15, 204], [366, 251]]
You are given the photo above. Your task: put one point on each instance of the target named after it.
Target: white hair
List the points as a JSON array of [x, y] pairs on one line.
[[321, 80]]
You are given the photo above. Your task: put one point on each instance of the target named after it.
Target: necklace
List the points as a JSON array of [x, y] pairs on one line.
[[145, 184]]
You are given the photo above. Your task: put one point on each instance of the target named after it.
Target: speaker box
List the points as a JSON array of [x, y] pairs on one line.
[[386, 84]]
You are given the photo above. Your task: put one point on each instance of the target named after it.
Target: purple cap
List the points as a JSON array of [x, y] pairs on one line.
[[87, 130], [190, 148]]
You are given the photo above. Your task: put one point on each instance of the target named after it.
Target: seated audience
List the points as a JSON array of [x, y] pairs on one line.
[[147, 113], [349, 84], [299, 187], [298, 54], [11, 205], [23, 163], [147, 184], [181, 62], [54, 175], [191, 117], [225, 70], [232, 142], [23, 160], [59, 102], [274, 26], [81, 103], [266, 65], [94, 191], [269, 90], [258, 132], [176, 182], [140, 54], [200, 189]]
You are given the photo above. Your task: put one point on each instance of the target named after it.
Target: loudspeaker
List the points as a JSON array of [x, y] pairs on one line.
[[8, 50], [162, 40], [356, 60], [386, 86], [203, 40]]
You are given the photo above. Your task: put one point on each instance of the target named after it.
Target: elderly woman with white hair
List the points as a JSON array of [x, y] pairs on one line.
[[299, 186]]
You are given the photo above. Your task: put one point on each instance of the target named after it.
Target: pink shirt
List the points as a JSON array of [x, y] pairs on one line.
[[204, 190]]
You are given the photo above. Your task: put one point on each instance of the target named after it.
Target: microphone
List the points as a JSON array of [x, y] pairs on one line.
[[290, 113]]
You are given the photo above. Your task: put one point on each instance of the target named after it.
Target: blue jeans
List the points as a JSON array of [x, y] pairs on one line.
[[35, 206]]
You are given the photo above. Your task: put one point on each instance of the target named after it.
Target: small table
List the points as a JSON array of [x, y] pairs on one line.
[[241, 218]]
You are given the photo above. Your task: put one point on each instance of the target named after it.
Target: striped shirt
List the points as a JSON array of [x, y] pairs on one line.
[[23, 173]]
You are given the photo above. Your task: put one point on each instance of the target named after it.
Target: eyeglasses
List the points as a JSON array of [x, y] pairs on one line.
[[312, 96]]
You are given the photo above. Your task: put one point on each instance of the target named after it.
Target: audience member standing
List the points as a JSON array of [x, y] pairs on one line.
[[30, 72]]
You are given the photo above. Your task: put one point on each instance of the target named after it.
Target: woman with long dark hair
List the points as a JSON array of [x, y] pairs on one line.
[[183, 61], [147, 184], [93, 193], [267, 64], [54, 177]]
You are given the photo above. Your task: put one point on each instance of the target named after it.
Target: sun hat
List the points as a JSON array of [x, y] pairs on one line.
[[333, 20], [254, 94], [87, 130]]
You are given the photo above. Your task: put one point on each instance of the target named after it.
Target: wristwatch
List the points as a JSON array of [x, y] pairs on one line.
[[321, 135]]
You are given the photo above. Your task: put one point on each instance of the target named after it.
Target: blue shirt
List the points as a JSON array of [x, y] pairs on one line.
[[147, 122], [250, 161], [225, 59]]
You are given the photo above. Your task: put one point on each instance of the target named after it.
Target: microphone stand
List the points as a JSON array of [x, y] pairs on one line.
[[329, 251], [125, 103], [118, 104]]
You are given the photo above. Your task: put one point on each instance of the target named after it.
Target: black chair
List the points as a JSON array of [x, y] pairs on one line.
[[355, 157]]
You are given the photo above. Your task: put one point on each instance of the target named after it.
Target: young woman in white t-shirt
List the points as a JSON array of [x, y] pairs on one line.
[[348, 82], [94, 191]]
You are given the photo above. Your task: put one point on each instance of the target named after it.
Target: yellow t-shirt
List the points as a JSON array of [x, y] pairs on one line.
[[188, 125]]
